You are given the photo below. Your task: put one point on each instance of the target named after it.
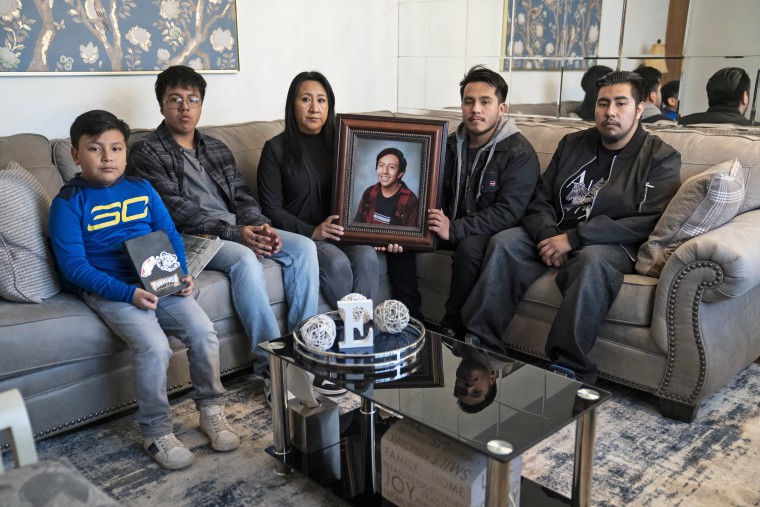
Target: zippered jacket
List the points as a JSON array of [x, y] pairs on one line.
[[505, 172], [643, 178]]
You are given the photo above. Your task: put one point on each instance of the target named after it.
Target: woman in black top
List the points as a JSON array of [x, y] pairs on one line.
[[295, 179]]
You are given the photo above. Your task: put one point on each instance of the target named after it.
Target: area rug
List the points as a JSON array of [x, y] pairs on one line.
[[640, 458]]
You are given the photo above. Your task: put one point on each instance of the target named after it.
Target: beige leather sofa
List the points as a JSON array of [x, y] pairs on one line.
[[681, 337]]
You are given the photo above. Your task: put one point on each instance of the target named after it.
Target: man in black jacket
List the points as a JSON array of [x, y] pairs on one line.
[[490, 173], [727, 96], [600, 197]]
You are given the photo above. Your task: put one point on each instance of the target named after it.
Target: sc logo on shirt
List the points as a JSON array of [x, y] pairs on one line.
[[130, 209]]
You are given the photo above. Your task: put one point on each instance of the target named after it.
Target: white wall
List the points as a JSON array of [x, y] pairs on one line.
[[355, 44], [440, 39]]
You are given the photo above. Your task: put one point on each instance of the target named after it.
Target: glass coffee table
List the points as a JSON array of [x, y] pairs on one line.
[[414, 377]]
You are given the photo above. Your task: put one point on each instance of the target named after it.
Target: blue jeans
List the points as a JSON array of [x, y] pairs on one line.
[[300, 269], [145, 332]]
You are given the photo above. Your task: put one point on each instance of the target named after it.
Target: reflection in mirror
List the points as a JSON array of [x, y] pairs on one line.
[[625, 35]]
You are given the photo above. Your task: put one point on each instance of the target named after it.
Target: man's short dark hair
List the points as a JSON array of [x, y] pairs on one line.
[[94, 123], [652, 78], [727, 86], [670, 90], [622, 77], [393, 151], [480, 74], [181, 76]]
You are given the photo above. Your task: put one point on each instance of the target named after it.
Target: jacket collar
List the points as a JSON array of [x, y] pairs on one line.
[[167, 139]]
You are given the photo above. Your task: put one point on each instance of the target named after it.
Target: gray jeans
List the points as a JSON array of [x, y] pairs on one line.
[[145, 332], [344, 269], [589, 283]]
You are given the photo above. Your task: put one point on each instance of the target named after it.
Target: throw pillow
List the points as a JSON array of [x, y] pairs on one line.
[[62, 159], [27, 274], [704, 202]]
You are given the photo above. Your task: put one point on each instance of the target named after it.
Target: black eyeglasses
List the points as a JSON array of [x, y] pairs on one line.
[[176, 102]]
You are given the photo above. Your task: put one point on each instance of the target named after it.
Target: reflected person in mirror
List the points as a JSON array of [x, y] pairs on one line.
[[727, 97]]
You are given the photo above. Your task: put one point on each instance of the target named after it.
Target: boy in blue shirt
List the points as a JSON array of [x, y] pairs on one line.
[[90, 218]]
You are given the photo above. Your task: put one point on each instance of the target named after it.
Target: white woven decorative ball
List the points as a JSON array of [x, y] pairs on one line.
[[319, 332], [358, 311], [391, 316]]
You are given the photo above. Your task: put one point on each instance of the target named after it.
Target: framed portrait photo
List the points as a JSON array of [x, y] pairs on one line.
[[388, 176]]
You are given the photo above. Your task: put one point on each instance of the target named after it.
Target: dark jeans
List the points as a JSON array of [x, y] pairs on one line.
[[468, 258], [344, 269], [589, 283], [402, 272], [465, 270]]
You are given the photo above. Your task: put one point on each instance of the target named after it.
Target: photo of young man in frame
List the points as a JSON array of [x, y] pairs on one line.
[[387, 182], [399, 155]]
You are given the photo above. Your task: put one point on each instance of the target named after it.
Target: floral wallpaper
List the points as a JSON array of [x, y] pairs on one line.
[[552, 28], [117, 35]]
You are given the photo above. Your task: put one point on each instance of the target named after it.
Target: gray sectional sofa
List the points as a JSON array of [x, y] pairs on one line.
[[680, 337]]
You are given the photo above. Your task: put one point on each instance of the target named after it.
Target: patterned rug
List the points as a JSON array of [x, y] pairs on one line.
[[640, 457]]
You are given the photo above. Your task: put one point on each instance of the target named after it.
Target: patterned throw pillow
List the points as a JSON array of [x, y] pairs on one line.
[[27, 274], [703, 203]]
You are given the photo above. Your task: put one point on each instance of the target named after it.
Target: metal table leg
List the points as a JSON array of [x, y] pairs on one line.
[[584, 459], [497, 483], [367, 411], [279, 413]]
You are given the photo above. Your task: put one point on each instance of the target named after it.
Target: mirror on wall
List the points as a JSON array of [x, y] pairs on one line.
[[554, 42], [587, 36]]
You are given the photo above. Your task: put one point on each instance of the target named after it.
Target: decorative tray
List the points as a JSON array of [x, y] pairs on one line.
[[390, 351]]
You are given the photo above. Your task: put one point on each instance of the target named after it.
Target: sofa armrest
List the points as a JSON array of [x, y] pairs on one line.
[[734, 247], [707, 309]]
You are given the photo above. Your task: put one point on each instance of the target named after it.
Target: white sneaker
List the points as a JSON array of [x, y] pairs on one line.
[[215, 425], [168, 452]]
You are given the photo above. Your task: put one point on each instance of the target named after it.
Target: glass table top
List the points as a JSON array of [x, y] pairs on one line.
[[496, 405]]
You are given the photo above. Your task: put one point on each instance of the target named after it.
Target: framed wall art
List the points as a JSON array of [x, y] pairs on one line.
[[550, 34], [117, 36], [387, 178]]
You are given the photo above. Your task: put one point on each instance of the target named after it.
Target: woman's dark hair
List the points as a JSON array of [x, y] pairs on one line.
[[182, 76], [292, 143], [588, 83], [94, 123], [397, 153]]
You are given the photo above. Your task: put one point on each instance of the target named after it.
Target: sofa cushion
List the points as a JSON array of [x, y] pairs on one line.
[[32, 151], [704, 202], [26, 265]]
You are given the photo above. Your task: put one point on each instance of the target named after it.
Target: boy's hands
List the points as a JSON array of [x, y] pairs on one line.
[[147, 301], [262, 239], [188, 279], [144, 299]]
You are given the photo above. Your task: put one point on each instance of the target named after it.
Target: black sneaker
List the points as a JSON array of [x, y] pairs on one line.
[[324, 386]]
